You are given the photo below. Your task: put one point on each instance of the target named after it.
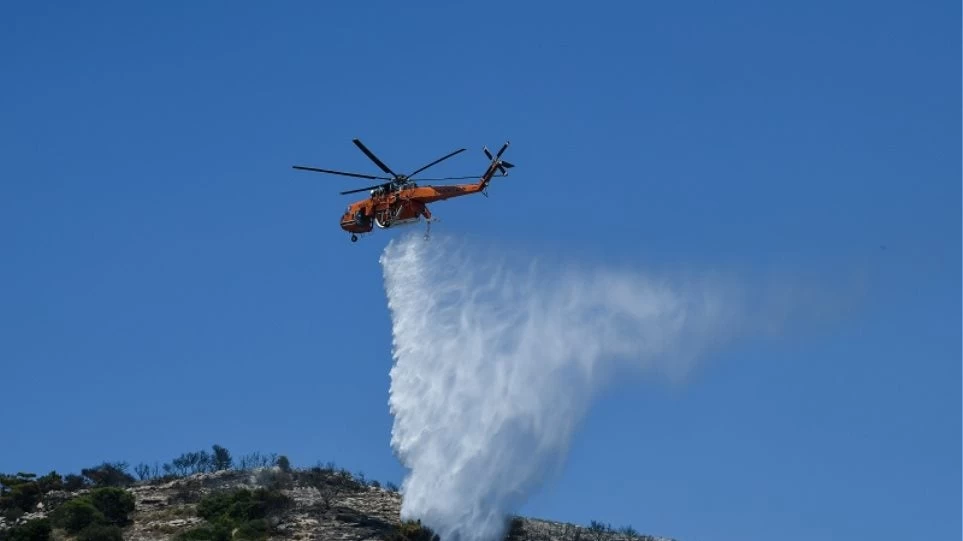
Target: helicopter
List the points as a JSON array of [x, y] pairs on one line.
[[400, 201]]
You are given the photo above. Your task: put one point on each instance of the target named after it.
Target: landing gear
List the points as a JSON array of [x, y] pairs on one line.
[[354, 238]]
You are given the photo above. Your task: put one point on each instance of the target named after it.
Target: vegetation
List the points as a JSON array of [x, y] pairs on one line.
[[412, 530], [96, 504], [32, 530], [99, 514], [238, 514], [101, 532]]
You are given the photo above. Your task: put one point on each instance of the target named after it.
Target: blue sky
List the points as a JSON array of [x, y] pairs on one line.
[[168, 282]]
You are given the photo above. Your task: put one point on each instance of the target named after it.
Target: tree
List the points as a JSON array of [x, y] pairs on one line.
[[194, 462], [628, 531], [74, 482], [143, 471], [222, 458], [51, 481], [109, 474], [599, 529]]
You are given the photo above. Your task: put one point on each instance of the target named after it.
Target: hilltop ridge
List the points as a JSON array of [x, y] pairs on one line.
[[203, 495]]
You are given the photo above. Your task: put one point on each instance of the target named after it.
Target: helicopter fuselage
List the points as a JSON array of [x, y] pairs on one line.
[[393, 208]]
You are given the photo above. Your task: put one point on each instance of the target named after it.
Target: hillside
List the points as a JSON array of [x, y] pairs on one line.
[[203, 495]]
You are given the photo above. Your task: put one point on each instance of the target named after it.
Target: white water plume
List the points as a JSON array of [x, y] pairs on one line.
[[496, 365]]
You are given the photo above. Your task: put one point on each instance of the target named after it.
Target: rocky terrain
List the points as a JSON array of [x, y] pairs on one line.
[[262, 503]]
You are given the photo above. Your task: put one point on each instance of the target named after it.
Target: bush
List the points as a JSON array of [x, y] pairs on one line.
[[12, 514], [412, 530], [215, 505], [23, 491], [208, 532], [77, 514], [516, 528], [19, 491], [274, 479], [32, 530], [252, 529], [101, 532], [114, 503], [242, 510], [107, 506]]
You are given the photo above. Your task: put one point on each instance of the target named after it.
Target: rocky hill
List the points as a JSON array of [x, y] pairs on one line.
[[200, 498]]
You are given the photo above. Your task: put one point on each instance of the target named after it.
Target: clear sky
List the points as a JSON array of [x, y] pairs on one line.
[[167, 281]]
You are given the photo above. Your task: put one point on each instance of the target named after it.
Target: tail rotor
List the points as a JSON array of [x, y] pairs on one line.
[[497, 161]]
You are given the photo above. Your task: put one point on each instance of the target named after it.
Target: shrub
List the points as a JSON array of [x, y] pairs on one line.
[[101, 532], [252, 529], [242, 510], [12, 514], [207, 532], [114, 503], [274, 479], [516, 528], [77, 514], [412, 530], [32, 530], [106, 506], [19, 491], [215, 504]]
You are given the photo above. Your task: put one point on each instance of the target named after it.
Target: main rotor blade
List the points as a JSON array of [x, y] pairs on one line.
[[476, 177], [362, 189], [374, 158], [358, 175], [435, 162]]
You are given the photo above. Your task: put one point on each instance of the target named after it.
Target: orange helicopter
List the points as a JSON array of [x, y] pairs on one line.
[[400, 201]]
